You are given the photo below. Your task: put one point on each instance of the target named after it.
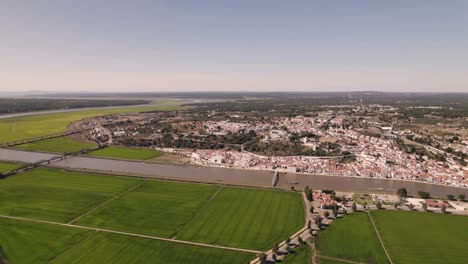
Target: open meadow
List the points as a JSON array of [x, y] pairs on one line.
[[24, 127], [6, 166], [352, 238], [55, 195], [246, 218], [301, 255], [126, 153], [409, 237], [419, 237], [243, 218], [57, 145]]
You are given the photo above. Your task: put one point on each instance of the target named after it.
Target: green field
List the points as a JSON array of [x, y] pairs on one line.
[[352, 238], [26, 242], [111, 248], [417, 237], [155, 208], [39, 125], [247, 218], [6, 166], [127, 153], [56, 195], [301, 255], [331, 261], [57, 145]]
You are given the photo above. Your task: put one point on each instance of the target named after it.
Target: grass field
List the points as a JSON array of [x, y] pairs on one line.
[[6, 166], [352, 238], [416, 237], [111, 248], [246, 218], [127, 153], [301, 255], [56, 195], [26, 242], [57, 145], [331, 261], [155, 208], [38, 125]]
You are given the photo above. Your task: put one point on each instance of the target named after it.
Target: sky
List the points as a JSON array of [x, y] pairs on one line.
[[254, 45]]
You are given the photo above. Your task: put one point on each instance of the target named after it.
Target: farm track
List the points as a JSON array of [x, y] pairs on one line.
[[380, 239], [130, 234], [108, 201]]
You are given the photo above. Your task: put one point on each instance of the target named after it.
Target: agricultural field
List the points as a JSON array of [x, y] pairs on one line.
[[55, 195], [156, 208], [24, 127], [418, 237], [127, 153], [352, 238], [45, 243], [112, 248], [57, 145], [409, 237], [243, 218], [27, 242], [246, 218], [301, 255], [6, 166]]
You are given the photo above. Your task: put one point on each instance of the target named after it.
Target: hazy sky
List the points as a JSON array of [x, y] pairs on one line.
[[234, 45]]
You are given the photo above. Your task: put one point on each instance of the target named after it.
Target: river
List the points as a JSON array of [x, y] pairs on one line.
[[254, 178]]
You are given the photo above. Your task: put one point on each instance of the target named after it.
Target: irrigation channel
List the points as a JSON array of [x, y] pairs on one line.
[[242, 177]]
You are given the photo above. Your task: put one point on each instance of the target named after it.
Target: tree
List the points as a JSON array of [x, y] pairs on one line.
[[396, 204], [311, 209], [354, 207], [424, 206], [335, 212], [443, 209], [309, 224], [326, 214], [461, 197], [275, 248], [300, 240], [378, 204], [402, 192], [424, 195], [288, 240], [262, 257], [308, 193], [411, 206], [318, 220], [275, 259], [450, 196]]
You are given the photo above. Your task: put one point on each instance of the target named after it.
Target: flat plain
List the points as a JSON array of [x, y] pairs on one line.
[[352, 238], [247, 218], [39, 125], [156, 208], [301, 255], [418, 237], [56, 195], [127, 153], [7, 166], [57, 145]]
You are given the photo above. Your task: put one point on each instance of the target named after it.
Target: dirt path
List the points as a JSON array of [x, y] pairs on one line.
[[341, 260], [108, 201], [131, 234], [380, 239]]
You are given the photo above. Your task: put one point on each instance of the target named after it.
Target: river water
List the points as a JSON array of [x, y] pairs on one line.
[[254, 178]]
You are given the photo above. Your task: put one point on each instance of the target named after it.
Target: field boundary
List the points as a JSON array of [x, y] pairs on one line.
[[108, 201], [340, 260], [131, 234], [198, 211], [380, 239]]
